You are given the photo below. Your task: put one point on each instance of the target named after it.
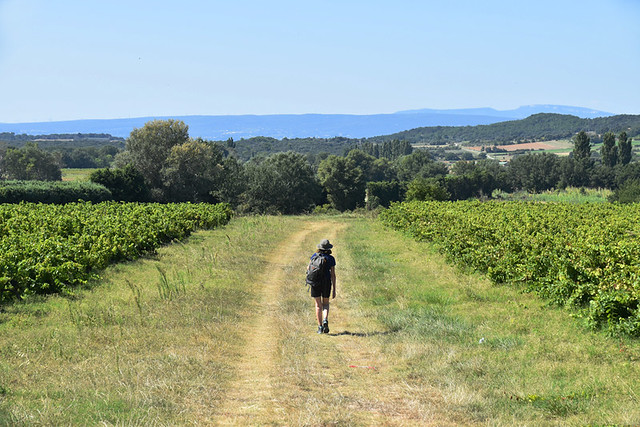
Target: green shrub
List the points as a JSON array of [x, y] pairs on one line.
[[126, 184], [382, 193], [424, 189], [629, 192]]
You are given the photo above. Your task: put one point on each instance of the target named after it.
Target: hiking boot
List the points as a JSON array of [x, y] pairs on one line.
[[325, 326], [320, 328]]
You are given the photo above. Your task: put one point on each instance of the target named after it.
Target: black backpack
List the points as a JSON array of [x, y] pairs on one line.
[[317, 273]]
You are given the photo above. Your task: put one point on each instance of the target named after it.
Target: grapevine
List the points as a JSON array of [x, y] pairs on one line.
[[585, 256], [52, 248]]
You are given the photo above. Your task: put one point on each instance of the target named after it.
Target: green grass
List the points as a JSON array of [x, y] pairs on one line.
[[69, 174], [567, 195], [151, 343], [157, 340], [496, 356]]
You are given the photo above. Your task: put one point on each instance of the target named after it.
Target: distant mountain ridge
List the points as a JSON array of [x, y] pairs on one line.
[[518, 113], [300, 125], [276, 126]]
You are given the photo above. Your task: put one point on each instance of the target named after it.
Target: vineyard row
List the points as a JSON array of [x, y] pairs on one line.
[[52, 248], [585, 256]]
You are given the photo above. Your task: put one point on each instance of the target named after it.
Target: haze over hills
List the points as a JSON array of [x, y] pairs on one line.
[[276, 126], [302, 125]]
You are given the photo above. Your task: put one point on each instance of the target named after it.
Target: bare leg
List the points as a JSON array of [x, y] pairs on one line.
[[325, 309], [319, 310]]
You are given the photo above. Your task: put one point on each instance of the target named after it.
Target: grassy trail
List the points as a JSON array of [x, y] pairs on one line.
[[251, 394], [288, 374], [220, 330]]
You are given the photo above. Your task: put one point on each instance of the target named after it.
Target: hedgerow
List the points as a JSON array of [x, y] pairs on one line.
[[583, 256], [52, 192]]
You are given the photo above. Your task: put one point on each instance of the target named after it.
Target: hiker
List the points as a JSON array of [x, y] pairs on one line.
[[323, 286]]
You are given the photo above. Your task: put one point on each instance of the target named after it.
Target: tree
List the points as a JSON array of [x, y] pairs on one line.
[[126, 184], [364, 161], [624, 149], [427, 189], [434, 170], [382, 193], [476, 179], [150, 146], [382, 170], [574, 173], [535, 172], [122, 159], [30, 163], [389, 149], [192, 171], [581, 146], [629, 192], [232, 183], [628, 172], [343, 181], [576, 170], [3, 152], [460, 187], [88, 157], [282, 183], [609, 151], [412, 166], [395, 148]]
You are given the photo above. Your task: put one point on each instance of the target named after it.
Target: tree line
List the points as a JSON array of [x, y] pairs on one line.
[[162, 163], [538, 127], [31, 162], [68, 150], [90, 150]]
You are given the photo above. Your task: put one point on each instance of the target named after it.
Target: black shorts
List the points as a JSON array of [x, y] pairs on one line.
[[321, 291]]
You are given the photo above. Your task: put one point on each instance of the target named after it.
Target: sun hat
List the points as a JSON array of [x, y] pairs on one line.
[[325, 245]]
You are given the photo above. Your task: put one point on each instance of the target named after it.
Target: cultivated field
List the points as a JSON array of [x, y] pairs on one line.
[[558, 145], [69, 174], [578, 255], [219, 329]]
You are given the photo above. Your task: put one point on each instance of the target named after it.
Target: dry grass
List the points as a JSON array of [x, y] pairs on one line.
[[494, 355], [128, 351]]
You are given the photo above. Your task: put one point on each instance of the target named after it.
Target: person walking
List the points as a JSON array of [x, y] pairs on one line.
[[326, 287]]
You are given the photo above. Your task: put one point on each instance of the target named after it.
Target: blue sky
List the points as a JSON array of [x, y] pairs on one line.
[[77, 59]]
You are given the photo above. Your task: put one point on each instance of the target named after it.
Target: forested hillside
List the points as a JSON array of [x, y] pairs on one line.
[[538, 127], [61, 140]]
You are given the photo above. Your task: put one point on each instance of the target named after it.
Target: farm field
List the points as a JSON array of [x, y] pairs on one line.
[[219, 329], [75, 174], [577, 255], [557, 145]]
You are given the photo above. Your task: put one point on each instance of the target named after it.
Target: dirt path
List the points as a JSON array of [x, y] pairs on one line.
[[290, 375], [250, 396]]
